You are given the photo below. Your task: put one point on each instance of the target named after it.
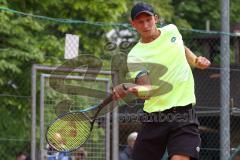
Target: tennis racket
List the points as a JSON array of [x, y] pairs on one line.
[[68, 106], [72, 129]]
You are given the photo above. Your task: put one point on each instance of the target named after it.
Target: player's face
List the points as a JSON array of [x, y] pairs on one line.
[[145, 24]]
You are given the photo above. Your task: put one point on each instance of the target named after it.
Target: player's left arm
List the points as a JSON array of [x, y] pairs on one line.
[[196, 61]]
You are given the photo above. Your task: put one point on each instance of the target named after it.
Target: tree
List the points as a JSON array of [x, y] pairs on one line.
[[196, 13], [26, 40]]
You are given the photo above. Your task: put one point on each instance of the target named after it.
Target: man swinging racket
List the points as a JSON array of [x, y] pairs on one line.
[[160, 65]]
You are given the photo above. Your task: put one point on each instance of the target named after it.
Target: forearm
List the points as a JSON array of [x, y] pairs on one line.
[[141, 89], [195, 61], [191, 57]]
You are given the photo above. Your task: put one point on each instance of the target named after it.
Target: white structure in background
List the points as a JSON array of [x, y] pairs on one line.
[[119, 36], [71, 46]]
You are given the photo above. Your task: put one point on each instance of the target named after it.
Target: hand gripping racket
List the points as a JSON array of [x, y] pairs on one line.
[[72, 129]]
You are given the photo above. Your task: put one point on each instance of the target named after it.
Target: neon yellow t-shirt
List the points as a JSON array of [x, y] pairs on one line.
[[170, 74]]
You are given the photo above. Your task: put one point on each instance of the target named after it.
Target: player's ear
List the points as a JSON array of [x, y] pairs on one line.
[[157, 18], [132, 23]]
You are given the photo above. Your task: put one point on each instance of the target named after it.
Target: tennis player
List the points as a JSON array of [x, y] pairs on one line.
[[160, 65]]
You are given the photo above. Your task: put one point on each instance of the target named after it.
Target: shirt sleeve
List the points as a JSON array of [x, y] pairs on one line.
[[175, 30]]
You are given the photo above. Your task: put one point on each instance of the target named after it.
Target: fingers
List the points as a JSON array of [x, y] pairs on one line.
[[132, 90], [115, 95], [118, 92], [202, 62]]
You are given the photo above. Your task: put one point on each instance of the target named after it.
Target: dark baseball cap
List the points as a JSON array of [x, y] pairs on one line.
[[141, 8]]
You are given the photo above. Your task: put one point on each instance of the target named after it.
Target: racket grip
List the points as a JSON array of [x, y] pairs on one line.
[[124, 87], [107, 100], [127, 85]]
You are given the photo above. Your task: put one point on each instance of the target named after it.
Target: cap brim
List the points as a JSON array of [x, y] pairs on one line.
[[150, 13]]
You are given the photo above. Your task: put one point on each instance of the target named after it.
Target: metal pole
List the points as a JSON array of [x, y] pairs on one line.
[[225, 83], [115, 126], [108, 136], [67, 69], [33, 129], [42, 117], [105, 80]]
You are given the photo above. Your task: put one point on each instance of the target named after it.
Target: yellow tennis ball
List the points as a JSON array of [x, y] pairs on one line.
[[59, 140], [143, 91], [57, 136]]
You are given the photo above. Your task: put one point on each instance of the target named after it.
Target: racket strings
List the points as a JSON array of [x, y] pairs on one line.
[[69, 132]]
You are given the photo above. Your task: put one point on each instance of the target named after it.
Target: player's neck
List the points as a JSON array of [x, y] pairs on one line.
[[151, 37]]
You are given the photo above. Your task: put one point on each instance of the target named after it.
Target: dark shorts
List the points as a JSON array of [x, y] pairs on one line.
[[175, 129]]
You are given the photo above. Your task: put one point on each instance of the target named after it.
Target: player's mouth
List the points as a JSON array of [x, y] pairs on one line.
[[147, 30]]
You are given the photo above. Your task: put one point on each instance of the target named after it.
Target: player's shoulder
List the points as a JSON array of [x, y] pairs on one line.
[[169, 27]]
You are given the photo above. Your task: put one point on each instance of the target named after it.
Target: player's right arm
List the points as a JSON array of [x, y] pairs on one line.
[[141, 89]]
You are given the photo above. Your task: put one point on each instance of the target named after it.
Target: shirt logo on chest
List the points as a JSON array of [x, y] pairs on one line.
[[173, 39]]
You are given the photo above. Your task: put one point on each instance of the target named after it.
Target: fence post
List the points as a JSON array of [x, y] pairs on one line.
[[115, 125], [33, 127], [225, 83]]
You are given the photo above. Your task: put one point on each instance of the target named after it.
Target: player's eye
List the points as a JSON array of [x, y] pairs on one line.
[[149, 19], [140, 21]]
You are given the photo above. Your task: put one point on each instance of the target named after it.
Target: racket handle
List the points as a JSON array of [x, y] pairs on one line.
[[110, 97], [107, 100], [127, 85], [124, 87]]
